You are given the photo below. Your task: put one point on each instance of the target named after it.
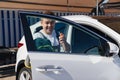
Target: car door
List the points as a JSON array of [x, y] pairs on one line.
[[86, 61]]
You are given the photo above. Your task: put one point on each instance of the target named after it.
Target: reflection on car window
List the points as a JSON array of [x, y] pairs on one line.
[[32, 20], [85, 42], [99, 32], [80, 40], [42, 41]]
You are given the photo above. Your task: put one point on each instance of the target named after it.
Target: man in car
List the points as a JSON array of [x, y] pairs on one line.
[[46, 39]]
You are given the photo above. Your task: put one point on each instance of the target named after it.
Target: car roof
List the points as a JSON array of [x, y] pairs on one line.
[[79, 17]]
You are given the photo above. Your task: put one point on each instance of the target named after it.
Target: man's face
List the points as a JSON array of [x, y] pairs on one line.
[[48, 25]]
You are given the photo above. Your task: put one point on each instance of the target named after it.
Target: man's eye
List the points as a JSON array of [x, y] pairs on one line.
[[47, 22]]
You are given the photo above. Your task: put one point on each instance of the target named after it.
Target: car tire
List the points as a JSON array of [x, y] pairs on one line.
[[25, 74]]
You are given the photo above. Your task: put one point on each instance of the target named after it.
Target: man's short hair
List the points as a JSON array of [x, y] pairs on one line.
[[49, 13]]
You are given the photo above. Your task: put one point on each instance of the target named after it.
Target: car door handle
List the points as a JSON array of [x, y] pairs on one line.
[[49, 68]]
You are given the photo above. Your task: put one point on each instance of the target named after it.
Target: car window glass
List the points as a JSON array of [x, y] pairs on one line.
[[45, 45], [80, 40], [99, 32], [84, 42]]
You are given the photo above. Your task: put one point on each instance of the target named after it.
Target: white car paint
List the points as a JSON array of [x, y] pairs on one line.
[[70, 60]]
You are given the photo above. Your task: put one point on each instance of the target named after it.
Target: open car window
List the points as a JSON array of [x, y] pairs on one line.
[[33, 26]]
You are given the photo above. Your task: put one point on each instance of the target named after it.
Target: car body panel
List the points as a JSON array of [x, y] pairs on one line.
[[75, 67]]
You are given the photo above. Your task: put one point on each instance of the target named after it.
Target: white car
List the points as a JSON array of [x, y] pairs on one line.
[[94, 51]]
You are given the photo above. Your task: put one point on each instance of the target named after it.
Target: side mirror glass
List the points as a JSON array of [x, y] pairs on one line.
[[113, 49]]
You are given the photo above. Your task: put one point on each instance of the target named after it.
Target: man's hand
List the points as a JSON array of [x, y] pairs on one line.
[[63, 42], [62, 38]]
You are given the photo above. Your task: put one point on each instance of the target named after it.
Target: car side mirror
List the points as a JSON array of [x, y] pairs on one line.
[[113, 49]]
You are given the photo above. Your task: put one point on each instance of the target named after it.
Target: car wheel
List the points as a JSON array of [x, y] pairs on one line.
[[25, 74]]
